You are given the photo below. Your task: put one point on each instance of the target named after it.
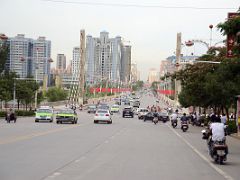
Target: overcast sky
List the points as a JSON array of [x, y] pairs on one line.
[[150, 30]]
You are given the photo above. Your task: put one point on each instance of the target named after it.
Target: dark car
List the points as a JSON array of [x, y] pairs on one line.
[[163, 116], [128, 111], [148, 117], [92, 109]]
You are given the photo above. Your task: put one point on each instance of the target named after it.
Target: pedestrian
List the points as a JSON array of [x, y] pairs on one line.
[[223, 119]]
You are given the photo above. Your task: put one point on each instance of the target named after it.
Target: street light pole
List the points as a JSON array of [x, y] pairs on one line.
[[36, 75], [210, 43], [14, 94]]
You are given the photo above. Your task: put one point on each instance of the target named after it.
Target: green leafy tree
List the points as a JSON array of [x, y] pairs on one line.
[[3, 57], [56, 94]]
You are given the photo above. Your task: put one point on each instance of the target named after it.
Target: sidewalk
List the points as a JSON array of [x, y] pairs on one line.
[[235, 135]]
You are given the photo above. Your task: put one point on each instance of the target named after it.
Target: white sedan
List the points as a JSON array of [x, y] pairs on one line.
[[103, 115]]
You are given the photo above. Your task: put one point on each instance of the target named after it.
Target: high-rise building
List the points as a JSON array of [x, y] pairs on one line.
[[75, 60], [134, 72], [29, 57], [104, 58], [41, 59], [61, 61], [126, 64], [20, 55], [153, 76]]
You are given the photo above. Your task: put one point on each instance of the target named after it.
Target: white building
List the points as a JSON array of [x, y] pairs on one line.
[[75, 60], [104, 57], [29, 57]]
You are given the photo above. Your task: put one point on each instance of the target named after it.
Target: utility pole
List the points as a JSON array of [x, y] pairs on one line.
[[82, 66], [178, 57]]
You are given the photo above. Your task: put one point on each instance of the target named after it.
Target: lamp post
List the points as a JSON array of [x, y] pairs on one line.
[[210, 42], [22, 60], [36, 78]]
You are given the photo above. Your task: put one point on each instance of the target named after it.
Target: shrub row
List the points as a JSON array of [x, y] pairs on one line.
[[19, 113]]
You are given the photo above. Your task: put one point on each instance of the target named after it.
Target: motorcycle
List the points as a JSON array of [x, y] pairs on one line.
[[155, 120], [184, 126], [174, 123], [11, 117], [218, 150]]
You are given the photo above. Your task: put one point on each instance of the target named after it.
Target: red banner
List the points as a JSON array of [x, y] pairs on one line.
[[110, 90], [167, 92]]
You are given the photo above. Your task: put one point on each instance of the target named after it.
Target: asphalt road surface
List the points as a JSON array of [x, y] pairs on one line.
[[128, 149]]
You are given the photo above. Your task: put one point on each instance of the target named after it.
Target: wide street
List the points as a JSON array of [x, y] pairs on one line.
[[128, 149]]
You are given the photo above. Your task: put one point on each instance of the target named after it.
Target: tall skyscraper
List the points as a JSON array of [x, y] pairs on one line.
[[20, 55], [29, 57], [41, 58], [75, 60], [103, 58], [126, 64], [134, 72], [61, 61], [153, 76]]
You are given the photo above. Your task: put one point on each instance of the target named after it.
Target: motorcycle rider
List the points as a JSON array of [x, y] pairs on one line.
[[184, 118], [174, 116], [217, 130]]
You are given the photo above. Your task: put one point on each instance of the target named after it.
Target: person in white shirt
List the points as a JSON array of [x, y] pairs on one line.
[[174, 116], [223, 119], [218, 133]]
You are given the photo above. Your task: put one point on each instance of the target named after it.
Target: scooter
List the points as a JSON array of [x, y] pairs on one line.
[[184, 126], [155, 120], [218, 150], [11, 117], [174, 123]]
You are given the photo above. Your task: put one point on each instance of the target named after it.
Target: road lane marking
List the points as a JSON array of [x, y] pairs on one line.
[[220, 171], [37, 134]]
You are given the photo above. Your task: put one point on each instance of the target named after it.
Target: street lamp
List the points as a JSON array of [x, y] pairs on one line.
[[22, 60], [210, 43]]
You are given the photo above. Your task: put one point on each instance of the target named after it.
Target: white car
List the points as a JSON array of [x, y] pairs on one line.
[[142, 112], [103, 115]]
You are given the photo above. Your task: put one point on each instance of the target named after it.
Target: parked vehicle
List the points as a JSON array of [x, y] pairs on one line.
[[66, 115], [103, 115], [128, 111]]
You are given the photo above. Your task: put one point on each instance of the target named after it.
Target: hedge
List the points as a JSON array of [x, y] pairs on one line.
[[19, 113]]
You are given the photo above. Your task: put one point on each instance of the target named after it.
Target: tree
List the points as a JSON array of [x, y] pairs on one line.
[[3, 56], [56, 94], [25, 91]]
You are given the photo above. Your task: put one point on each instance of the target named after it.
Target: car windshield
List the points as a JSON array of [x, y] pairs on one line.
[[102, 112], [163, 114], [69, 111], [127, 109], [44, 111], [115, 106], [92, 107]]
